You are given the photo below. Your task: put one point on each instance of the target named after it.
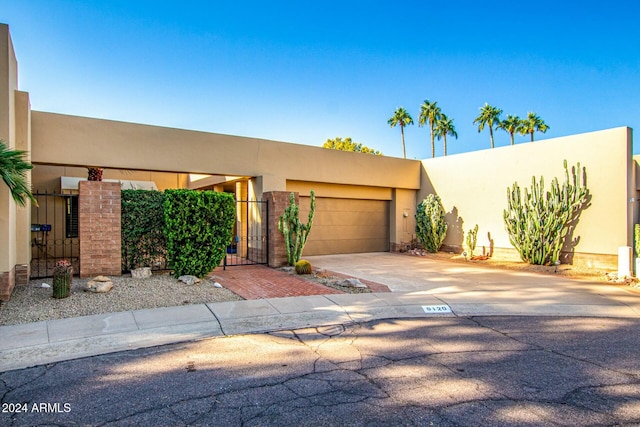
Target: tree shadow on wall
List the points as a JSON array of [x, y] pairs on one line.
[[455, 230]]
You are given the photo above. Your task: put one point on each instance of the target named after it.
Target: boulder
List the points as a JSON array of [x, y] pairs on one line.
[[352, 283], [189, 280], [100, 284], [217, 285], [141, 273]]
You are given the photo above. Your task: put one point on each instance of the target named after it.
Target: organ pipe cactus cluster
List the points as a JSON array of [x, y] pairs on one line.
[[539, 220], [295, 233], [431, 227]]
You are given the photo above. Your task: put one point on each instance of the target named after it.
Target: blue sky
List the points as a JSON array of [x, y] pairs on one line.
[[304, 72]]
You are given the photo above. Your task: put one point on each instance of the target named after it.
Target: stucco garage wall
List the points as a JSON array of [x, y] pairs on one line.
[[473, 187]]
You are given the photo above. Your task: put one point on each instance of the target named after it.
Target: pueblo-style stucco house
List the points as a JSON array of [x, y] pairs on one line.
[[365, 203]]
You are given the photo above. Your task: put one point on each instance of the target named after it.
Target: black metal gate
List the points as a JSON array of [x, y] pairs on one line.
[[250, 244], [54, 233]]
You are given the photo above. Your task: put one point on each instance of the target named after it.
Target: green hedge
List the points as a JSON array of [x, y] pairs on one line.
[[143, 241], [198, 229]]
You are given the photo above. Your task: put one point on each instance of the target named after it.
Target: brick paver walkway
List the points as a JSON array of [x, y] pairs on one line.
[[259, 281]]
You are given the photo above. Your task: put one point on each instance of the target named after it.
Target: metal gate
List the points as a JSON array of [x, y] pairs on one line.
[[54, 233], [250, 244]]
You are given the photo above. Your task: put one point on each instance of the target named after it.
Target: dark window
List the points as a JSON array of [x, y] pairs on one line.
[[71, 216]]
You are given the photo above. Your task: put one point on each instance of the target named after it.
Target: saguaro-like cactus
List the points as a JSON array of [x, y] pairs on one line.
[[295, 233], [431, 227], [538, 222], [472, 239]]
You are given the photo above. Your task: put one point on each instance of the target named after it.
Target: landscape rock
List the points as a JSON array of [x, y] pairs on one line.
[[141, 273], [45, 285], [99, 284], [189, 280], [352, 283], [217, 285]]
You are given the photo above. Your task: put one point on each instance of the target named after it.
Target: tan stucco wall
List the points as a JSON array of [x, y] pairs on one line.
[[8, 85], [23, 143], [473, 186], [70, 140], [402, 216], [47, 177]]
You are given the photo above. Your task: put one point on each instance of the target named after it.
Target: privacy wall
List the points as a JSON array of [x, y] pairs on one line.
[[473, 188]]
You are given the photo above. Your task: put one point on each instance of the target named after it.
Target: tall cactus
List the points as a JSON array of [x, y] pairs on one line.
[[472, 240], [539, 222], [295, 233], [431, 227]]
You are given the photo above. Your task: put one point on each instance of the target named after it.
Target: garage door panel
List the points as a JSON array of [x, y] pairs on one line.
[[346, 226], [327, 247], [343, 232], [351, 219]]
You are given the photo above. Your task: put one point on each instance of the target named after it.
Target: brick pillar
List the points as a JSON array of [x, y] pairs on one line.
[[7, 283], [99, 211], [277, 202]]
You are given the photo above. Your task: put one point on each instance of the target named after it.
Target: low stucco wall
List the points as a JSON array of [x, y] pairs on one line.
[[473, 187]]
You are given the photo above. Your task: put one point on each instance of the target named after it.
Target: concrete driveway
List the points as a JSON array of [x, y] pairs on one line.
[[478, 290]]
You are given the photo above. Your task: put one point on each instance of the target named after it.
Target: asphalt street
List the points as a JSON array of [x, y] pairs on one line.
[[526, 371]]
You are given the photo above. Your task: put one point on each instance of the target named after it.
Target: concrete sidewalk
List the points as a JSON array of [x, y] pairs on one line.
[[421, 288]]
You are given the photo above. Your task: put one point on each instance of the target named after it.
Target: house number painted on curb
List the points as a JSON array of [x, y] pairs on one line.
[[436, 309]]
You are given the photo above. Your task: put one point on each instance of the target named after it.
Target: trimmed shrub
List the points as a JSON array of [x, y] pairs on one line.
[[431, 227], [198, 228], [143, 241]]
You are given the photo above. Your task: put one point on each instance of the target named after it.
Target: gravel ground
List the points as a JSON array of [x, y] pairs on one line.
[[33, 303]]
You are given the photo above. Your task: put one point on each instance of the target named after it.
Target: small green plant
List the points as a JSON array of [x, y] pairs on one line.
[[538, 222], [62, 278], [637, 240], [303, 267], [295, 233], [472, 239], [431, 228]]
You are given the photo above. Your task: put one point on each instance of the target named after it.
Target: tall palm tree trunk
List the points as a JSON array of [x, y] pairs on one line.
[[445, 144], [531, 136], [512, 140], [433, 143], [491, 135], [404, 151]]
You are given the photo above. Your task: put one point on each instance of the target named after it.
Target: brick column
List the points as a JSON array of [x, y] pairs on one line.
[[99, 212], [277, 202], [7, 283]]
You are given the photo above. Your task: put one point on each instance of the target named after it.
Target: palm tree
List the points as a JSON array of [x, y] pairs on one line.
[[490, 116], [533, 123], [444, 126], [430, 113], [402, 118], [13, 171], [511, 124]]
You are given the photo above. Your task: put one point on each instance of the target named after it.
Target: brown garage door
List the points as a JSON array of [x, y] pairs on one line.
[[346, 226]]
